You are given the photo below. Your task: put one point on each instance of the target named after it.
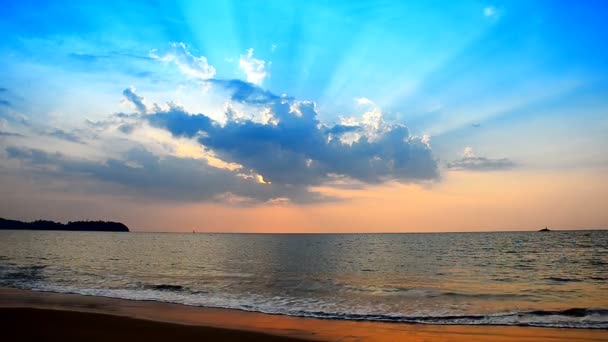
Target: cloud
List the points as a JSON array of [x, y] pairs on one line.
[[489, 11], [61, 134], [136, 100], [34, 129], [294, 148], [189, 65], [145, 174], [245, 92], [14, 117], [87, 58], [180, 123], [4, 102], [167, 153], [468, 152], [471, 162], [255, 69], [363, 101], [36, 156], [10, 134]]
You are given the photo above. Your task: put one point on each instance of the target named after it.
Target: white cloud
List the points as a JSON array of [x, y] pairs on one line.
[[371, 126], [254, 68], [471, 162], [426, 139], [468, 152], [364, 101], [489, 11], [192, 66]]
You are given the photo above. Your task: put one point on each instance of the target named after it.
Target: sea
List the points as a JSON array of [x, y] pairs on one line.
[[553, 279]]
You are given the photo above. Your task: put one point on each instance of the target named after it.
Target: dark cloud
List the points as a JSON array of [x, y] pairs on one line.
[[341, 129], [245, 92], [61, 134], [93, 58], [167, 178], [292, 150], [40, 129], [473, 163], [33, 155], [127, 63], [127, 128], [10, 134], [298, 150], [4, 102], [180, 123], [15, 118], [136, 100]]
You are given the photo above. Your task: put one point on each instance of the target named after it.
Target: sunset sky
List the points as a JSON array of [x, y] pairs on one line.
[[306, 116]]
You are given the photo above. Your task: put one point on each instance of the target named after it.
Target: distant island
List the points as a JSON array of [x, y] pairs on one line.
[[545, 230], [85, 226]]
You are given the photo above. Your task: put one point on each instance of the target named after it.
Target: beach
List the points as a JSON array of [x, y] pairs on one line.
[[271, 170], [27, 315]]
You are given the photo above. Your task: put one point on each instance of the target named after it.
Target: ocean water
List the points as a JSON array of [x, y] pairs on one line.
[[556, 279]]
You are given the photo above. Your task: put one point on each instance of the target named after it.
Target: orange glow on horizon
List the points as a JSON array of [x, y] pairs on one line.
[[461, 201]]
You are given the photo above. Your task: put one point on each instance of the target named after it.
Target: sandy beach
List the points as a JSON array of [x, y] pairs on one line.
[[76, 317], [62, 325]]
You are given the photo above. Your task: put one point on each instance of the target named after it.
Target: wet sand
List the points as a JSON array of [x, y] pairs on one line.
[[29, 315], [24, 324]]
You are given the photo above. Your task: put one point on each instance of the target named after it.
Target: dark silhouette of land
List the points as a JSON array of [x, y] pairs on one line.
[[85, 226], [544, 230]]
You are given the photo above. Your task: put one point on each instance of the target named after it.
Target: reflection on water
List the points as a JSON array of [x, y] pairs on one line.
[[471, 278]]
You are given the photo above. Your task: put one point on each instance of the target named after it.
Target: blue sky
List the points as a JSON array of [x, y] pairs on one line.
[[480, 85]]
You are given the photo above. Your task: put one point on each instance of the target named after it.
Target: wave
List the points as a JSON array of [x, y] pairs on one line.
[[583, 318], [569, 318], [11, 275], [37, 277], [417, 292], [562, 280], [166, 287]]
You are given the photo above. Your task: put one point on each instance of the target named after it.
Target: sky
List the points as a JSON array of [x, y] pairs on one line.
[[316, 116]]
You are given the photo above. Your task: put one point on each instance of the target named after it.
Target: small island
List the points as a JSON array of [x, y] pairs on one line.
[[84, 226], [545, 230]]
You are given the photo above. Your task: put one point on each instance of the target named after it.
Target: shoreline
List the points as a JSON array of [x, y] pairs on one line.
[[65, 325], [290, 327]]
